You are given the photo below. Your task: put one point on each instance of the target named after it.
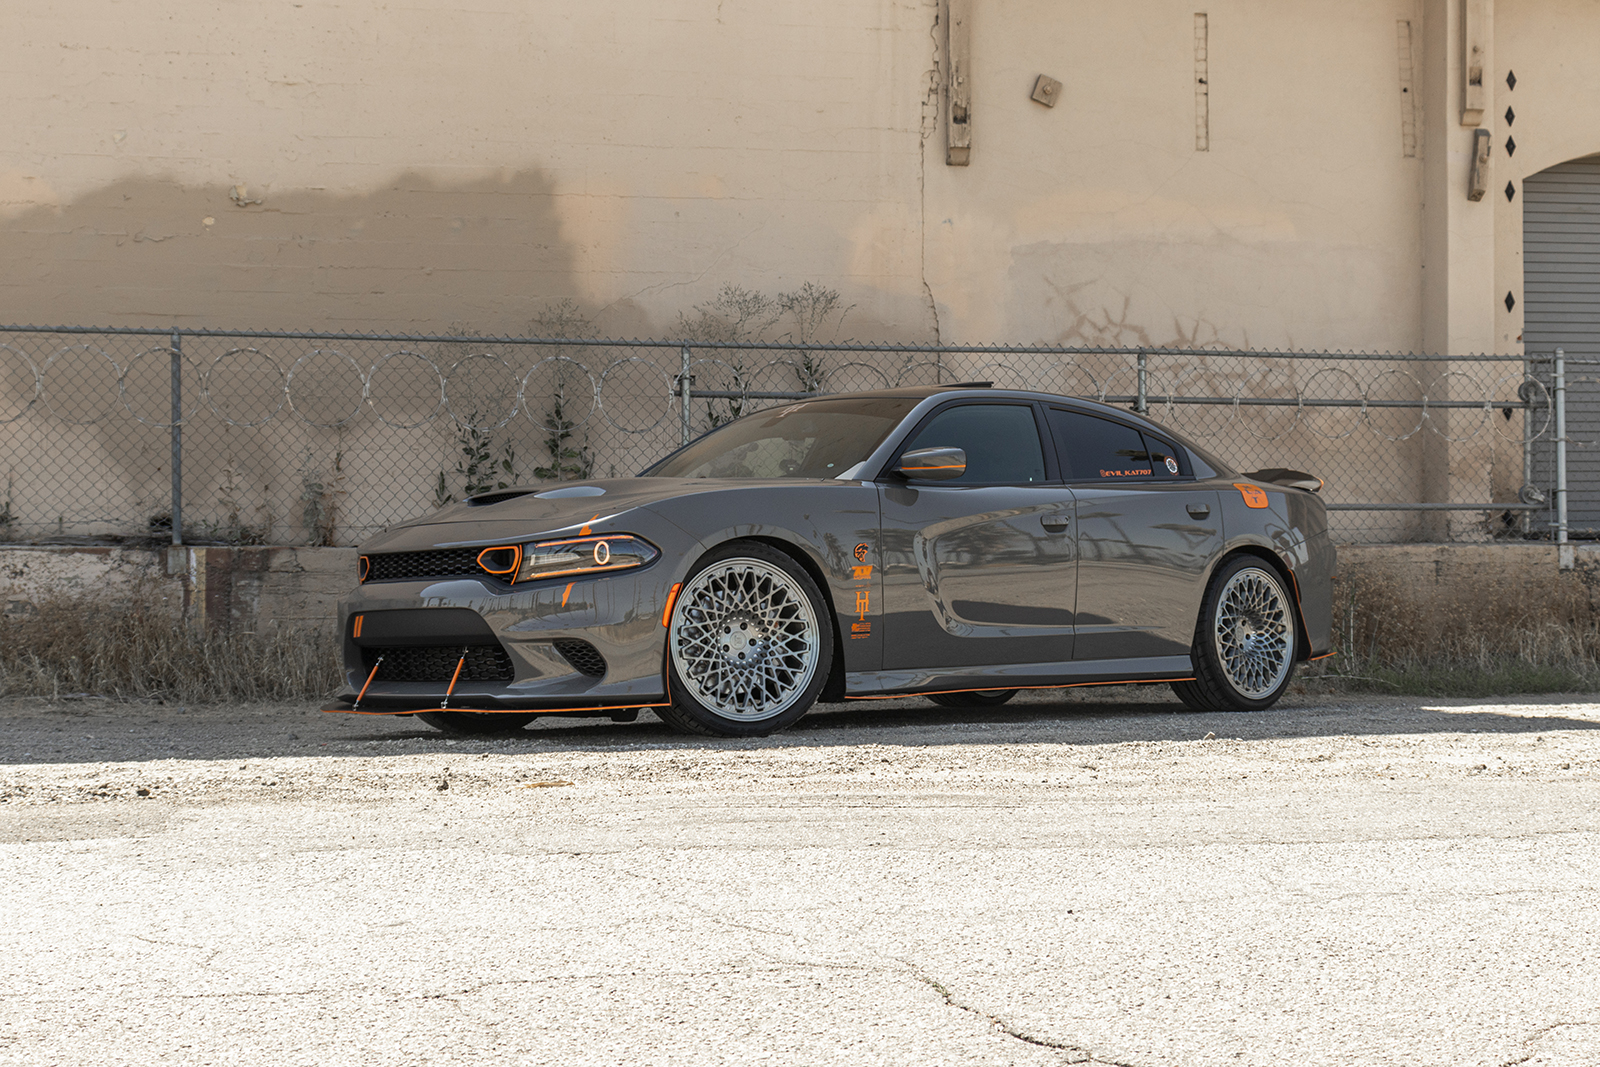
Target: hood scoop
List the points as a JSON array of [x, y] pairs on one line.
[[483, 500]]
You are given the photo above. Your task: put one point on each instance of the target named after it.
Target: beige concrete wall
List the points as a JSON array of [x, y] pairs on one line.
[[1551, 45], [243, 590], [1098, 220], [349, 163]]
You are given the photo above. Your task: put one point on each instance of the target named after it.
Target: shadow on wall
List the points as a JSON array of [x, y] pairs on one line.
[[416, 255]]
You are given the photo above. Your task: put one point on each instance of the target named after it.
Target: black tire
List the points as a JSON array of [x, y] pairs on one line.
[[982, 698], [476, 724], [1245, 641], [749, 644]]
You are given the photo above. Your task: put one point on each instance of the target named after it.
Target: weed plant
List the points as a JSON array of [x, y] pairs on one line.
[[137, 646], [1494, 639]]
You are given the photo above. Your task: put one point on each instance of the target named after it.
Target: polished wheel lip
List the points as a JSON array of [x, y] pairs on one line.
[[745, 639], [1253, 633]]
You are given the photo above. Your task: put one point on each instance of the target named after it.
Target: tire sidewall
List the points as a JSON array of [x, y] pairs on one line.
[[1206, 641], [678, 691]]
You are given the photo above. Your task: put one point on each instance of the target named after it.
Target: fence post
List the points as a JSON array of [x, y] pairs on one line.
[[176, 432], [685, 385], [1564, 550], [1142, 405]]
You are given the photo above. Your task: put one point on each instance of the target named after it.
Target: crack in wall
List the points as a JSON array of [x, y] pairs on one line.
[[929, 127]]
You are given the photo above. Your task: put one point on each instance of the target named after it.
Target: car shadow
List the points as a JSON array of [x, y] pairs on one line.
[[1076, 722], [138, 733]]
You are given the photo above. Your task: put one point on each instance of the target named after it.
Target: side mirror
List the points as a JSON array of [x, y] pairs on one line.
[[933, 464]]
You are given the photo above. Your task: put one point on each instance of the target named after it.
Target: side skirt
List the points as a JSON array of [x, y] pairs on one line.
[[885, 685]]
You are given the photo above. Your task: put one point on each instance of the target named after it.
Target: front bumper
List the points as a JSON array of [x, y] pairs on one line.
[[472, 644]]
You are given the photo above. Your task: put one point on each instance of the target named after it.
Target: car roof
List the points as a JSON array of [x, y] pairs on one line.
[[984, 391]]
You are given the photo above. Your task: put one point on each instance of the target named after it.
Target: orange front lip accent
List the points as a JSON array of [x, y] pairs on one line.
[[502, 711]]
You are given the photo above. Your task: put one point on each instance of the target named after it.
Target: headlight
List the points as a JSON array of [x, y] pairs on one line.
[[583, 555]]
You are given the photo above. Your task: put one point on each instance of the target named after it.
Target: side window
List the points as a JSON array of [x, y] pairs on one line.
[[1001, 442], [1093, 449]]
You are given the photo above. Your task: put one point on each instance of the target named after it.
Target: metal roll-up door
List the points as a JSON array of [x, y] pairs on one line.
[[1561, 309]]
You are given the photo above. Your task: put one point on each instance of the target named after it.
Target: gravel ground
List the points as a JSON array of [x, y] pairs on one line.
[[1097, 877]]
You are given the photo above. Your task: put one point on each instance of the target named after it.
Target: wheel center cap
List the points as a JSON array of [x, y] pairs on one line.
[[737, 641]]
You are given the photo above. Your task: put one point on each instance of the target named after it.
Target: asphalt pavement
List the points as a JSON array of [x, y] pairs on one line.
[[1102, 878]]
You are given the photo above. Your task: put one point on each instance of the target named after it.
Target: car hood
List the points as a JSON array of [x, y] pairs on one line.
[[530, 511]]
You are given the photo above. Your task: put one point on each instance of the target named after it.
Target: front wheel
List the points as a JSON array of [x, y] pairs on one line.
[[749, 646], [1245, 642]]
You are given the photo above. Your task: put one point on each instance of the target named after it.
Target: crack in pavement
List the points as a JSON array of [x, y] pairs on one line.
[[1541, 1032], [1071, 1053]]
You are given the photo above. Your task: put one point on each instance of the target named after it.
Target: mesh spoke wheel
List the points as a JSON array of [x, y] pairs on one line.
[[1245, 642], [750, 644], [1254, 632]]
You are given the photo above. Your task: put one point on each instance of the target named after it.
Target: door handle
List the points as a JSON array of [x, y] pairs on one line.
[[1055, 523], [1198, 511]]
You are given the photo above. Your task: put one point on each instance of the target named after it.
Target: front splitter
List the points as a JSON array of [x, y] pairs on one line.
[[601, 709]]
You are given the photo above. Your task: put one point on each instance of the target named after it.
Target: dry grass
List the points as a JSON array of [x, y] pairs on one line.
[[136, 647], [1492, 638]]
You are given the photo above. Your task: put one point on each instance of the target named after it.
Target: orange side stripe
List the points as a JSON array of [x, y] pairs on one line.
[[566, 593], [358, 625], [672, 599], [585, 529]]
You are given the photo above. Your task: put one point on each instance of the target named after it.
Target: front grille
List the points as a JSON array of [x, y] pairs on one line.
[[440, 563], [583, 656], [436, 664]]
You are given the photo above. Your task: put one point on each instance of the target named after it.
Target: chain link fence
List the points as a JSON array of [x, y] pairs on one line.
[[322, 438]]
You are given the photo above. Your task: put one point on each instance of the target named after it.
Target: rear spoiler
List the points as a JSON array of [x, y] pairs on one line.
[[1292, 479]]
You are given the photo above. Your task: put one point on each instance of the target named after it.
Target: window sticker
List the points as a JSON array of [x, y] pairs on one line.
[[1172, 465]]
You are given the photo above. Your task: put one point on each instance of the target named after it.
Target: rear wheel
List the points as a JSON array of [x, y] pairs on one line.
[[982, 698], [749, 646], [1245, 642], [475, 724]]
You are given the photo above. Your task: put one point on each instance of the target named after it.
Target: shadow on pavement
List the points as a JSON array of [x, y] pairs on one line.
[[35, 733]]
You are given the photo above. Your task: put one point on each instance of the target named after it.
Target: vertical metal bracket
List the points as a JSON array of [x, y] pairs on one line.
[[958, 82], [1475, 23]]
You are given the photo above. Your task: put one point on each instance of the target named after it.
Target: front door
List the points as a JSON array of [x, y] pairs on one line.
[[980, 570]]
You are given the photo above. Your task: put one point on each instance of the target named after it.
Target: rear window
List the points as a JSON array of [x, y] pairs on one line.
[[1093, 449]]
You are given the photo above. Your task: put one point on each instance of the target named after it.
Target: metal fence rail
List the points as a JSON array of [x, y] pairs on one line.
[[322, 438]]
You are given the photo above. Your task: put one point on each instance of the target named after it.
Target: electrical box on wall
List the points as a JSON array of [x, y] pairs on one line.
[[1046, 90], [1478, 181]]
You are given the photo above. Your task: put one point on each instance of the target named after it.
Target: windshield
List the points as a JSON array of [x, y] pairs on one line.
[[812, 439]]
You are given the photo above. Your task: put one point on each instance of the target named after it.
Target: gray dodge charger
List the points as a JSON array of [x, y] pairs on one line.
[[961, 543]]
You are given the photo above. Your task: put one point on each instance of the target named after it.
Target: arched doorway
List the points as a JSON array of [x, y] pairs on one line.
[[1561, 309]]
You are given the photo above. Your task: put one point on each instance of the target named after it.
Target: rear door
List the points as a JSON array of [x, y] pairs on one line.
[[980, 570], [1146, 533]]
